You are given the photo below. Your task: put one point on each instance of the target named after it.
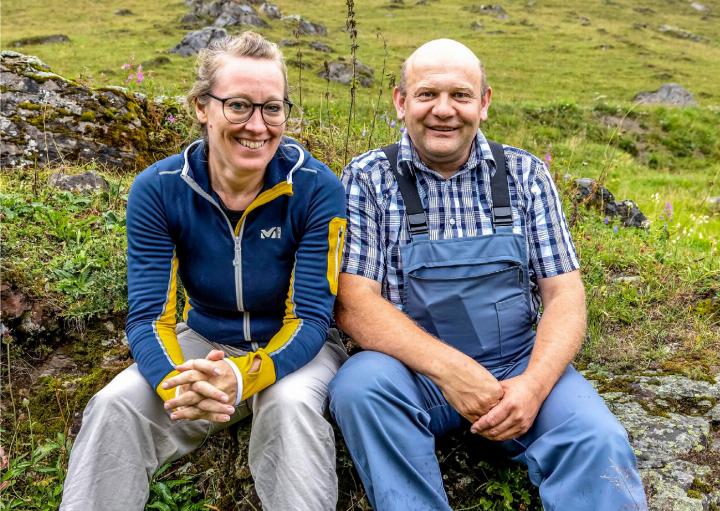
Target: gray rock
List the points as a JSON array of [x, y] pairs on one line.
[[488, 9], [713, 203], [289, 43], [195, 41], [477, 26], [85, 182], [699, 7], [668, 486], [592, 194], [341, 71], [57, 364], [317, 45], [46, 118], [271, 10], [40, 39], [305, 27], [679, 33], [124, 12], [239, 14], [667, 94]]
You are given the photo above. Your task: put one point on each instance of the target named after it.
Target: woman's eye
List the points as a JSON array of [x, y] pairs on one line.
[[273, 108], [239, 106]]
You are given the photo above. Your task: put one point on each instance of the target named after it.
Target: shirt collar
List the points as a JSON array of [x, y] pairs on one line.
[[480, 151]]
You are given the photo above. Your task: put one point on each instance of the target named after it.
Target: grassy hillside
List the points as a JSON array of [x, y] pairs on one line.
[[564, 75]]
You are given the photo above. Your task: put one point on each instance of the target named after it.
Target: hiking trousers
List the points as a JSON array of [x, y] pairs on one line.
[[126, 435]]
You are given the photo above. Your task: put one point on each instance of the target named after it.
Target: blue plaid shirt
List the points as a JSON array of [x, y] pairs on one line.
[[456, 208]]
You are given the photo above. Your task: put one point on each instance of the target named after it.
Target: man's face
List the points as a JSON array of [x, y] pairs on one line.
[[442, 108]]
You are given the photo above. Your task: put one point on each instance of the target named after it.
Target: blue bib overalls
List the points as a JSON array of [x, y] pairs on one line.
[[474, 294]]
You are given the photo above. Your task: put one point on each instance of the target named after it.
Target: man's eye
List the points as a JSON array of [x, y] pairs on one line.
[[462, 95], [238, 106], [426, 94]]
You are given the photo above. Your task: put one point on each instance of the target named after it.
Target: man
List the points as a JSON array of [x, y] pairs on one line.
[[447, 259]]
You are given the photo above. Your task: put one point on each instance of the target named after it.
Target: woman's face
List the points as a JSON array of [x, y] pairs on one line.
[[247, 147]]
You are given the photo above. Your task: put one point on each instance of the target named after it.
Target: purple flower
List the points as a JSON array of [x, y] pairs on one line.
[[548, 158], [140, 76], [170, 118], [615, 229], [126, 66], [393, 124], [607, 220], [668, 211]]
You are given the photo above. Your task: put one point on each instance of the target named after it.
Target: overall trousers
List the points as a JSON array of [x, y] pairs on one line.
[[474, 294]]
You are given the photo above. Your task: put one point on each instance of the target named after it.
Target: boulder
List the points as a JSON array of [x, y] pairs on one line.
[[679, 33], [488, 9], [195, 41], [239, 14], [305, 27], [85, 182], [667, 94], [699, 7], [124, 12], [40, 39], [271, 10], [341, 71], [46, 118], [318, 46], [592, 194]]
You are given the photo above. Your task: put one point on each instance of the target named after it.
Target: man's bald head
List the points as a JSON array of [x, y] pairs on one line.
[[445, 50]]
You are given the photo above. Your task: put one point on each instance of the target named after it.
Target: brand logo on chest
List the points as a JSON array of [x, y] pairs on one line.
[[271, 233]]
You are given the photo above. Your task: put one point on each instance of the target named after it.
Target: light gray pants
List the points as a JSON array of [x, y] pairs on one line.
[[126, 435]]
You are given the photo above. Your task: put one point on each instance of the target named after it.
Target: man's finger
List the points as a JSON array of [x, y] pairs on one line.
[[209, 391], [492, 419]]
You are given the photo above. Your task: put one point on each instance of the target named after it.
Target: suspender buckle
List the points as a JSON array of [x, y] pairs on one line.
[[502, 216], [417, 223]]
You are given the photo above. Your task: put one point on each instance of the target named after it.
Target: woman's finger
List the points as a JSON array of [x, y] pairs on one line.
[[206, 389]]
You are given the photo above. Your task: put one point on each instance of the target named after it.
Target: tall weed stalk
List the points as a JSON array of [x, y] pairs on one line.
[[351, 27]]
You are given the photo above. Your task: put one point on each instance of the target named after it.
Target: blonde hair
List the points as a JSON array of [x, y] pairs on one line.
[[210, 60]]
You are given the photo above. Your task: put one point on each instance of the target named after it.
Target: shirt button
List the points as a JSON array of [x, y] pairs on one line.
[[452, 221]]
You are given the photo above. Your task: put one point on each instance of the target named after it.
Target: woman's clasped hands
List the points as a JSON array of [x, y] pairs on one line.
[[206, 389]]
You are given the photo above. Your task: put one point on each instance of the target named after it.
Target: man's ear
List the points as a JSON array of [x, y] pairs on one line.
[[399, 102], [200, 112], [485, 104]]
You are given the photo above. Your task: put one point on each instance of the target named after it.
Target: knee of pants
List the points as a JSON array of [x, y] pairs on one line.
[[601, 440], [362, 379], [287, 404]]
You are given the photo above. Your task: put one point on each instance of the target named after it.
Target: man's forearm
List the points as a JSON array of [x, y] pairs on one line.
[[560, 331], [375, 324]]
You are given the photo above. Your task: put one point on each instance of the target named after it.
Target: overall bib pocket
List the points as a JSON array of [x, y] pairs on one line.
[[458, 304]]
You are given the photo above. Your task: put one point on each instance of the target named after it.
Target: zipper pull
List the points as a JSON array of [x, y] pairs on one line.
[[238, 251]]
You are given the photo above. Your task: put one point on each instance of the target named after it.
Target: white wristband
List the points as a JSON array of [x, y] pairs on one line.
[[239, 380]]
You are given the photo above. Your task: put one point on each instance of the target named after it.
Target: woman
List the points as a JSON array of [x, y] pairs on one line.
[[253, 226]]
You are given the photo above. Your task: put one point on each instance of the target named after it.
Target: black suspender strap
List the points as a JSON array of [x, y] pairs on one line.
[[414, 211], [501, 211]]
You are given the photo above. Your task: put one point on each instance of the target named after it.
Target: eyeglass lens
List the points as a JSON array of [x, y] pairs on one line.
[[239, 110]]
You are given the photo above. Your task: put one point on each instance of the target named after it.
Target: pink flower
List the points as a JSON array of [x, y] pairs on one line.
[[140, 76], [170, 118], [126, 66]]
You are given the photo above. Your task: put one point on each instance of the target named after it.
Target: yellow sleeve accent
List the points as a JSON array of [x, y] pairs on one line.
[[336, 241], [165, 324], [260, 379], [166, 394], [186, 309]]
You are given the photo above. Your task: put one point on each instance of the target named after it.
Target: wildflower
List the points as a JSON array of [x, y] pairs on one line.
[[548, 158], [170, 118], [615, 229], [363, 134], [393, 124], [668, 211], [126, 66], [139, 77], [607, 220]]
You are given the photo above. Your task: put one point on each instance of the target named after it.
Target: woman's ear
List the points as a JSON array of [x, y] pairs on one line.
[[200, 112]]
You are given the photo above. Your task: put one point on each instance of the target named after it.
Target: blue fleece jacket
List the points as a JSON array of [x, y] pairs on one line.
[[266, 285]]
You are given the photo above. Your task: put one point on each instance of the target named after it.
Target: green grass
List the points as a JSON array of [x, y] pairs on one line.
[[561, 89]]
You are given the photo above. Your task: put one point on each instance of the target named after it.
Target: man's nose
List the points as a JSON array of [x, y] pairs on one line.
[[443, 106]]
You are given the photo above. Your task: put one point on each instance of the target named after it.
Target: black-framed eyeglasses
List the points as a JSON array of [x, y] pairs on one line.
[[240, 110]]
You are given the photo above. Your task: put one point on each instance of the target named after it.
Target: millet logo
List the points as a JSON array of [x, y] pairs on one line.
[[272, 233]]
